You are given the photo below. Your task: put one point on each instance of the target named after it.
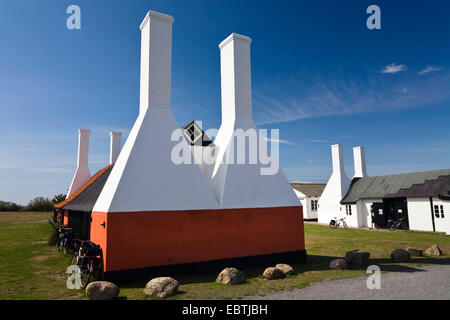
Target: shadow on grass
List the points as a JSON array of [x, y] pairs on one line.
[[314, 263]]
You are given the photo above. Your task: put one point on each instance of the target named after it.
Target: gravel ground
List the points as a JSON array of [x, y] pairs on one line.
[[427, 282]]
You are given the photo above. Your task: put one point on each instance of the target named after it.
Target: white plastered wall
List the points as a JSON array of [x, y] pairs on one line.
[[419, 214]]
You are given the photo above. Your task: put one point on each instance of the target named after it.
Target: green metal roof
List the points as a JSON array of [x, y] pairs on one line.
[[380, 186]]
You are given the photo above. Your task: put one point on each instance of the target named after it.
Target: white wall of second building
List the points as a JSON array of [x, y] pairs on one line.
[[441, 218], [308, 213], [419, 214]]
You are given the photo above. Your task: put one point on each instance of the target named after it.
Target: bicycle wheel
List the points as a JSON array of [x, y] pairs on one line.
[[74, 259], [86, 275], [333, 225], [344, 224]]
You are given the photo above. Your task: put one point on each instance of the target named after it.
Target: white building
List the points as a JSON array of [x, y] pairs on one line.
[[421, 198], [309, 195]]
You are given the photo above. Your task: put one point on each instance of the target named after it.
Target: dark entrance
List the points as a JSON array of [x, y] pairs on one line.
[[379, 215], [390, 209], [80, 222]]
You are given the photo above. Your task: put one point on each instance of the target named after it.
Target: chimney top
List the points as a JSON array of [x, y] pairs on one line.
[[337, 157], [359, 160], [157, 16], [235, 36], [115, 133], [84, 130]]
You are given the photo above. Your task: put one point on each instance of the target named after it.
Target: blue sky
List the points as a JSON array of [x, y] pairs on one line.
[[318, 74]]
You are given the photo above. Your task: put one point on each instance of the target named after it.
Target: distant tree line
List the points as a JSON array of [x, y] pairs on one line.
[[37, 204]]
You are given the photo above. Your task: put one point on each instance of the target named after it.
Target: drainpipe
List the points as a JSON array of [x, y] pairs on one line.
[[432, 213]]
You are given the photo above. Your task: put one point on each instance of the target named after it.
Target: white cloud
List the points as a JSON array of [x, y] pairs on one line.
[[309, 96], [394, 68], [279, 141], [429, 69]]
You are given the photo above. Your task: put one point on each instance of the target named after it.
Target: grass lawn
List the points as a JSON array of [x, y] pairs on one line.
[[31, 269]]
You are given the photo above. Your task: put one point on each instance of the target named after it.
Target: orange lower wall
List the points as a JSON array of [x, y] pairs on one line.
[[146, 239], [66, 218]]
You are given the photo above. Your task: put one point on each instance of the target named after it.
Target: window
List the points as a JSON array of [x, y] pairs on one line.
[[193, 132], [348, 209], [439, 209], [436, 211], [314, 205]]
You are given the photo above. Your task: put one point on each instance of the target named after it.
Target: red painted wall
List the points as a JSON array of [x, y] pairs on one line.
[[66, 218], [145, 239]]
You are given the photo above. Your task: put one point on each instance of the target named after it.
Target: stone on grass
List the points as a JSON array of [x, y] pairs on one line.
[[433, 251], [400, 255], [162, 287], [273, 273], [414, 252], [357, 257], [231, 276], [287, 269], [102, 290], [338, 264]]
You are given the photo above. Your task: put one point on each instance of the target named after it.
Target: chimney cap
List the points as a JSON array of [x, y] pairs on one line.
[[115, 133], [157, 16], [84, 130], [235, 36]]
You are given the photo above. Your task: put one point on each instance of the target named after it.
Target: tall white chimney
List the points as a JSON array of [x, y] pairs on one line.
[[337, 158], [114, 148], [236, 82], [156, 61], [359, 159], [82, 173]]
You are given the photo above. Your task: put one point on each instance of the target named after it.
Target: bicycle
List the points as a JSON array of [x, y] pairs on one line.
[[64, 240], [335, 223], [396, 224], [89, 261]]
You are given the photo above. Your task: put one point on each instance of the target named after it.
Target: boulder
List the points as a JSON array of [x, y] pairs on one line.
[[231, 276], [162, 287], [400, 255], [287, 269], [414, 252], [102, 290], [433, 251], [357, 257], [338, 264], [273, 273]]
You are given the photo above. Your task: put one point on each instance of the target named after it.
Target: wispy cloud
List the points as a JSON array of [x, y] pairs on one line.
[[279, 141], [394, 68], [429, 69], [319, 141], [307, 96]]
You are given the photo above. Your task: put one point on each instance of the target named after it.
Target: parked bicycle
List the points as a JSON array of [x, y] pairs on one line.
[[396, 224], [88, 257], [64, 238], [335, 223]]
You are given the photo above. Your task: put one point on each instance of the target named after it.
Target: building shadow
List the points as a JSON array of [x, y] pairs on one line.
[[314, 263]]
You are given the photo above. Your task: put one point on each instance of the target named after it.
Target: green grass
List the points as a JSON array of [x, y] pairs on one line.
[[31, 269]]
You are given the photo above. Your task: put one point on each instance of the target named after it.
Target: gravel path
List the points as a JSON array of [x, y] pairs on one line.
[[428, 282]]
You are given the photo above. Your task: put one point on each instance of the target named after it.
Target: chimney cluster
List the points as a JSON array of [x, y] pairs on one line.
[[359, 160], [82, 174]]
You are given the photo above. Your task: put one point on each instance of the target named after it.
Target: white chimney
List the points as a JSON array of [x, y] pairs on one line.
[[236, 79], [337, 158], [82, 173], [156, 61], [359, 159], [114, 148]]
